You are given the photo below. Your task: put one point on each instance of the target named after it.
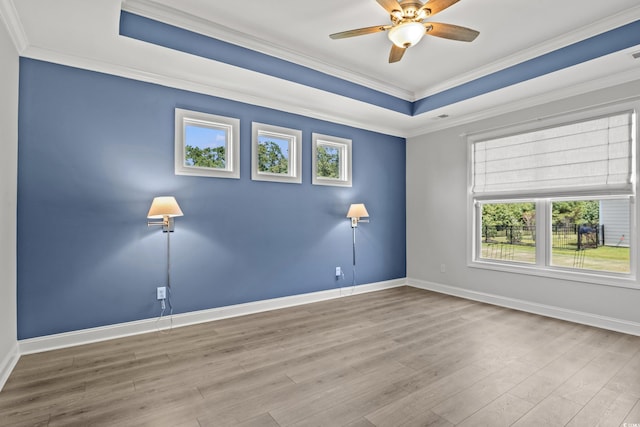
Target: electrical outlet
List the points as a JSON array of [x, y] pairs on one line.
[[338, 272], [443, 268], [161, 292]]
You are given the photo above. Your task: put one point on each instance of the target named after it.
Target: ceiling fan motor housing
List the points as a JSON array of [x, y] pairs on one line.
[[411, 11]]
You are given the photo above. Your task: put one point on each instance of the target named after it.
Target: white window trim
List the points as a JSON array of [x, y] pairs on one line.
[[232, 152], [344, 145], [294, 137], [542, 267]]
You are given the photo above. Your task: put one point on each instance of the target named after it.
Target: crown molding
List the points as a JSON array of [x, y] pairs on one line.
[[529, 102], [178, 18], [171, 16], [341, 111], [9, 15], [593, 29], [287, 96], [395, 124]]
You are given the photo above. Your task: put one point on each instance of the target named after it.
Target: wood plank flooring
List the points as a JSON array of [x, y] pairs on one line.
[[399, 357]]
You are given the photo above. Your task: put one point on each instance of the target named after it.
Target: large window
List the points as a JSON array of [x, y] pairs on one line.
[[557, 199]]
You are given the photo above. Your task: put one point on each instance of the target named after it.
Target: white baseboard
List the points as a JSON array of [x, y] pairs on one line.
[[7, 364], [86, 336], [584, 318]]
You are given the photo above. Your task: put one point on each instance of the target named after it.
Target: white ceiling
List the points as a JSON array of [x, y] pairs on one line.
[[85, 34]]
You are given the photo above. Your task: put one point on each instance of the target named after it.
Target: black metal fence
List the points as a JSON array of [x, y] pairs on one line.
[[565, 236], [574, 236], [511, 234]]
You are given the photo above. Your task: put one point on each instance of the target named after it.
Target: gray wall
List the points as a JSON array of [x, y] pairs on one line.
[[8, 178], [437, 221]]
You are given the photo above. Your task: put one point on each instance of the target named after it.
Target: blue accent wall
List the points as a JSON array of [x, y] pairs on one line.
[[95, 149]]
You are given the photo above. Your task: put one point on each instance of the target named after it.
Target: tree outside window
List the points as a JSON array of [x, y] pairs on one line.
[[328, 162]]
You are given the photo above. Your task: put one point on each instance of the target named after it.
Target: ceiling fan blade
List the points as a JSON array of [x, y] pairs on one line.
[[396, 53], [390, 5], [360, 31], [434, 6], [449, 31]]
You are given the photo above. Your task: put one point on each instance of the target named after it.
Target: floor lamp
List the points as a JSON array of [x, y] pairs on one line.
[[356, 212], [165, 208]]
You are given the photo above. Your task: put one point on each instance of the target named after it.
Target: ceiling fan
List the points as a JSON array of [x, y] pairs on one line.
[[407, 28]]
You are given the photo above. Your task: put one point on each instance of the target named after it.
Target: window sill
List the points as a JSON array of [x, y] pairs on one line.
[[599, 278]]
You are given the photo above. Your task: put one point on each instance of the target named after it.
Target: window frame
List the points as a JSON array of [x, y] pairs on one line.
[[344, 147], [542, 266], [294, 138], [231, 127]]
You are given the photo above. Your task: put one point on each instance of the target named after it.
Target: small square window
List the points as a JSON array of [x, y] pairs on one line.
[[207, 145], [331, 160], [276, 154]]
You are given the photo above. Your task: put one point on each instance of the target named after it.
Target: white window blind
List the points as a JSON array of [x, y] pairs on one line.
[[593, 155]]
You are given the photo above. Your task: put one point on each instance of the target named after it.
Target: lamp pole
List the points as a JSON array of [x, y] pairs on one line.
[[168, 259], [353, 280]]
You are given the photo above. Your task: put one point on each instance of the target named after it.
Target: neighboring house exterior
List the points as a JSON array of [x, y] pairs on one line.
[[614, 215]]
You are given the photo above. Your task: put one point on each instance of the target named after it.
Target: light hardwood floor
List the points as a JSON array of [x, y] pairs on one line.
[[399, 357]]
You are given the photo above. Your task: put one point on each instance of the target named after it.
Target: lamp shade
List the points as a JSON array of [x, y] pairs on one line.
[[164, 206], [357, 210], [407, 34]]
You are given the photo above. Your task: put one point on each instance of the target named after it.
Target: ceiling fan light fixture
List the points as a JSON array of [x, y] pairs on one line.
[[407, 34]]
